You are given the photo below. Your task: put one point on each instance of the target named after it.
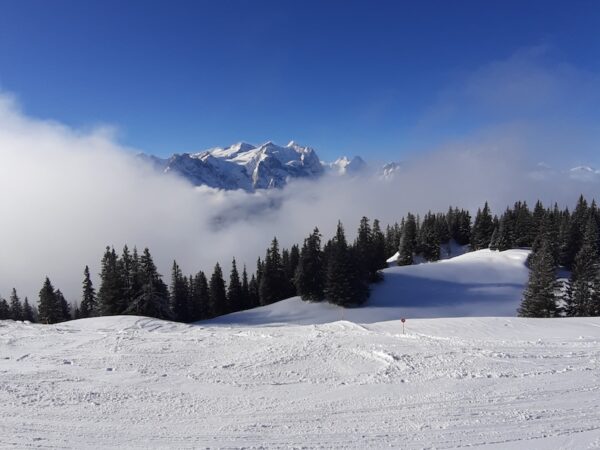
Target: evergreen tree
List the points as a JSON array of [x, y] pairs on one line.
[[49, 308], [583, 294], [428, 243], [65, 308], [343, 284], [483, 229], [234, 290], [178, 295], [217, 294], [408, 241], [89, 306], [539, 297], [16, 310], [4, 309], [504, 239], [253, 295], [110, 294], [272, 283], [379, 260], [199, 298], [245, 290], [152, 299], [28, 313], [309, 278], [573, 236], [127, 278], [289, 269]]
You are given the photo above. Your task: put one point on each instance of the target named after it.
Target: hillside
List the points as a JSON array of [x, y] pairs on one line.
[[481, 283], [133, 382]]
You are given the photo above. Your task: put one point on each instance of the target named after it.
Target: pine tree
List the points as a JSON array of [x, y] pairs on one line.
[[49, 308], [309, 277], [379, 260], [217, 293], [245, 290], [178, 295], [253, 295], [504, 240], [152, 299], [408, 241], [89, 306], [127, 277], [540, 295], [343, 285], [16, 310], [483, 229], [428, 240], [110, 294], [234, 290], [583, 294], [65, 308], [28, 313], [4, 309], [272, 283], [199, 300]]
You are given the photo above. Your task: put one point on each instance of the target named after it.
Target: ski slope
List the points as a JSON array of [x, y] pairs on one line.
[[311, 375], [133, 382], [481, 283]]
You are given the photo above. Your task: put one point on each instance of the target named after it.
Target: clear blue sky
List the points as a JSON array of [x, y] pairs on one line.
[[341, 76]]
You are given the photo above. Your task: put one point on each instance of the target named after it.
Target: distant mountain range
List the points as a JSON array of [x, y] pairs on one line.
[[245, 166]]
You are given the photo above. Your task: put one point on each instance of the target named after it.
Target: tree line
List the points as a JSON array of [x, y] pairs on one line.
[[340, 272], [337, 272]]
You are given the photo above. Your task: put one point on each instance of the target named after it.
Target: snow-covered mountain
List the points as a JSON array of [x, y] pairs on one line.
[[243, 166], [344, 165]]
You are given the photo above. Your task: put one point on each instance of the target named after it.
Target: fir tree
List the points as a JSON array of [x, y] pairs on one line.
[[408, 241], [428, 243], [379, 260], [49, 308], [65, 308], [253, 295], [483, 229], [199, 299], [245, 290], [89, 306], [539, 298], [16, 310], [234, 290], [4, 309], [309, 278], [110, 294], [583, 294], [217, 293], [152, 299], [272, 283], [28, 313], [178, 295], [343, 285]]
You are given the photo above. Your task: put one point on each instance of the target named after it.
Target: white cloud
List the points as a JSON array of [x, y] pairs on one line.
[[65, 194]]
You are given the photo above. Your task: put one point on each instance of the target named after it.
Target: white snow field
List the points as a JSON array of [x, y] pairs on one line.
[[481, 283], [492, 382]]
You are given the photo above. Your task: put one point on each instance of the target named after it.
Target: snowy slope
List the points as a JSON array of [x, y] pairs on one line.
[[481, 283], [131, 382]]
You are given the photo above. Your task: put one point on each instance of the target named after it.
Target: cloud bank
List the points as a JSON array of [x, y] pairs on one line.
[[65, 194]]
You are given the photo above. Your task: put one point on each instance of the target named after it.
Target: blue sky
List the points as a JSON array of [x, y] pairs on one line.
[[379, 79]]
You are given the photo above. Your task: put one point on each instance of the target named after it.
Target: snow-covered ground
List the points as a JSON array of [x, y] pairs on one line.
[[133, 382], [481, 283], [302, 375]]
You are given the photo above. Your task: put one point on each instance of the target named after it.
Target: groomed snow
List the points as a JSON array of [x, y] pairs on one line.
[[481, 283], [133, 382]]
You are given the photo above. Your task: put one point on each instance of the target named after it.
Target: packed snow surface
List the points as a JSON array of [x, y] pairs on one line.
[[134, 382], [481, 283]]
